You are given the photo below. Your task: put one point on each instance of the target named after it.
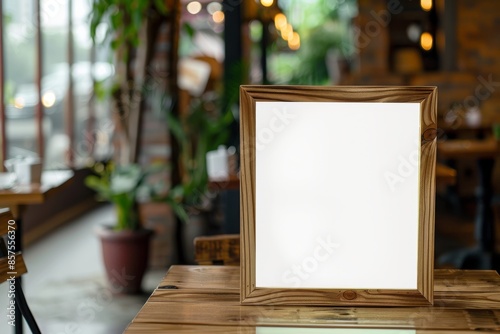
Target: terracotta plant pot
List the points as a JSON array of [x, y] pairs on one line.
[[125, 255]]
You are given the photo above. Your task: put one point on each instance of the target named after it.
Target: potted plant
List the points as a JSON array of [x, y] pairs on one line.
[[131, 29], [125, 245]]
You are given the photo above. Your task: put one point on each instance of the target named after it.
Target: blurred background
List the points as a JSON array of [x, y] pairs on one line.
[[84, 83]]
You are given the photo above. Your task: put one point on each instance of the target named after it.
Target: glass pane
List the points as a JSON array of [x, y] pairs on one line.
[[82, 84], [96, 136], [93, 126], [54, 16], [20, 91]]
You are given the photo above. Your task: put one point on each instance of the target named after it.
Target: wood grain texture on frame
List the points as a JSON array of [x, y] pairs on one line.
[[423, 295]]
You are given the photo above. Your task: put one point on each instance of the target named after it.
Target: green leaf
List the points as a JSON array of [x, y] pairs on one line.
[[137, 19], [100, 91], [99, 186], [176, 129], [161, 5], [179, 211], [116, 19], [115, 44], [188, 28]]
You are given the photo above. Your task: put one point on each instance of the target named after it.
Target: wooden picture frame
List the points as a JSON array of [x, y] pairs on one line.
[[288, 175]]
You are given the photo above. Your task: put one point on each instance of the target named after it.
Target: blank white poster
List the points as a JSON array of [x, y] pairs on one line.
[[337, 195]]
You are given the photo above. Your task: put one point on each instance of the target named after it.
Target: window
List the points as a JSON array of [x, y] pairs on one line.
[[65, 124]]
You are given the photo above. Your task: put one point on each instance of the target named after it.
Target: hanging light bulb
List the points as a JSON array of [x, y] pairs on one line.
[[294, 41], [426, 41], [286, 31], [280, 21], [426, 5], [266, 3]]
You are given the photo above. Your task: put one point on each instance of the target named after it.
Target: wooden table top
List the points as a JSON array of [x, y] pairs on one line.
[[35, 193], [232, 183], [465, 148], [445, 175], [206, 299]]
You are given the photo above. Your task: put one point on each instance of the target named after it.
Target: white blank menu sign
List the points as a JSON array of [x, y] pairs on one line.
[[337, 195]]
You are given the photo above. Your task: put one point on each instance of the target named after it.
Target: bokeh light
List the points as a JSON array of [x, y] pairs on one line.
[[294, 41], [426, 41], [194, 7], [280, 21], [267, 3], [214, 7], [426, 5], [218, 16]]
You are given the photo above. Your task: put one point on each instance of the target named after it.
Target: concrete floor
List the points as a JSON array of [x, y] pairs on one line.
[[66, 287]]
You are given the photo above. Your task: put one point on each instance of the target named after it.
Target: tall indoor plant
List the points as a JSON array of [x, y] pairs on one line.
[[131, 29], [203, 128]]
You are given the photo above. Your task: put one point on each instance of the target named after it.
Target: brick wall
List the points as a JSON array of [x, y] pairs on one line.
[[478, 38], [372, 35], [477, 58], [155, 148], [477, 68]]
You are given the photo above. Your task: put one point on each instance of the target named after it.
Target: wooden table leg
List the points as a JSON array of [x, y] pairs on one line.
[[24, 310], [18, 284]]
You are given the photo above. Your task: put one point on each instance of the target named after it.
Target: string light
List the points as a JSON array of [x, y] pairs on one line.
[[426, 5], [280, 21], [267, 3], [294, 41], [286, 31], [426, 41]]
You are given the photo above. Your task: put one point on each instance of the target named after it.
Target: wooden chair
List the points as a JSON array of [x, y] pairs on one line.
[[445, 175], [218, 250], [11, 268]]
